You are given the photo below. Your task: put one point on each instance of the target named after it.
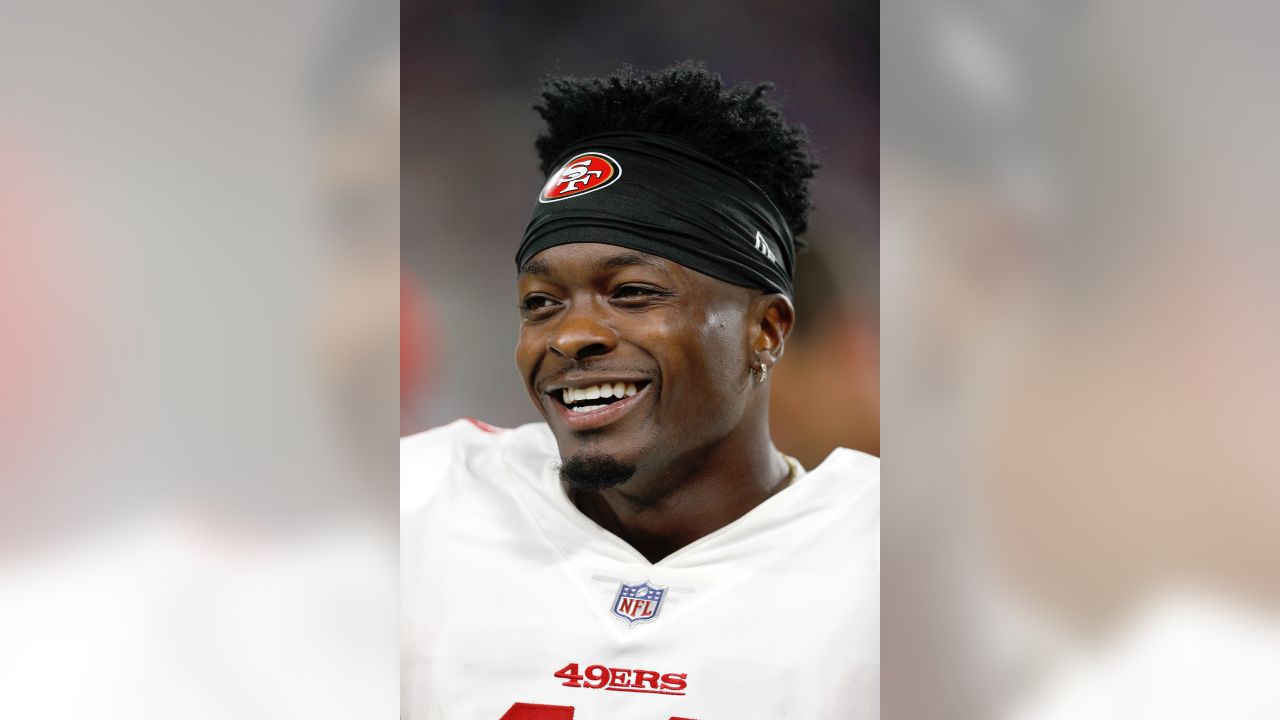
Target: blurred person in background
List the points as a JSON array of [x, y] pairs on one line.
[[827, 394], [640, 531]]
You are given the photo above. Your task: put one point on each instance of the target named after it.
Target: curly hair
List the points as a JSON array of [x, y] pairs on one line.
[[735, 126]]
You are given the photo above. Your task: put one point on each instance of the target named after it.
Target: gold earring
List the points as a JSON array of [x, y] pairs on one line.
[[764, 373]]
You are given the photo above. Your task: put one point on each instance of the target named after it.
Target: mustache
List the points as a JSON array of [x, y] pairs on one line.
[[600, 368]]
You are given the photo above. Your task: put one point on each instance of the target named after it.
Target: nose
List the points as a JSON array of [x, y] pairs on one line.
[[582, 332]]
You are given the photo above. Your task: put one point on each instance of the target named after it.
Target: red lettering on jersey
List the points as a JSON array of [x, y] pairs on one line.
[[646, 677], [619, 677], [598, 676], [570, 674], [675, 681], [531, 711], [648, 608], [626, 605]]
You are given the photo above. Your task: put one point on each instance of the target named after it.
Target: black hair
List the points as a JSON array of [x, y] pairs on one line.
[[594, 472], [735, 127]]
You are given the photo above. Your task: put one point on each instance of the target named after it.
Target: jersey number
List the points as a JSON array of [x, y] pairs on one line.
[[529, 711]]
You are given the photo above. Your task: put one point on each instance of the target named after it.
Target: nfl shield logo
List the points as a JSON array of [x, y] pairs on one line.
[[638, 603]]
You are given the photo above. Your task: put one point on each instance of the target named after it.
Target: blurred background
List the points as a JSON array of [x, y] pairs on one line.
[[1079, 293], [471, 74], [1073, 291], [199, 263]]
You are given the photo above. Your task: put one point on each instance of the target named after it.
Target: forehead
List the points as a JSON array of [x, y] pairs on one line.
[[594, 259]]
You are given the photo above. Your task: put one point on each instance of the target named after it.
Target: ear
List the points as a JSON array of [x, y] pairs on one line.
[[772, 317]]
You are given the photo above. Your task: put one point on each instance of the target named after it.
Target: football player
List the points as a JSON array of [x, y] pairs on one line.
[[646, 552]]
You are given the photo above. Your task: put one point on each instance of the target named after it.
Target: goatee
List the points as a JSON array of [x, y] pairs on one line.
[[592, 473]]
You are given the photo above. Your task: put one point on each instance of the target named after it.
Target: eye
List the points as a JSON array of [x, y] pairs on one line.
[[637, 292], [537, 304]]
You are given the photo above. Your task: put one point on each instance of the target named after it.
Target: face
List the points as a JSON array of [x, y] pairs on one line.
[[632, 357]]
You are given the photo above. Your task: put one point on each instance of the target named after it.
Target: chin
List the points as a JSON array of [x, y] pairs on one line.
[[592, 471], [629, 447]]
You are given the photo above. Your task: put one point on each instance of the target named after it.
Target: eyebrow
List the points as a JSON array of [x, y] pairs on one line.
[[617, 262], [535, 267]]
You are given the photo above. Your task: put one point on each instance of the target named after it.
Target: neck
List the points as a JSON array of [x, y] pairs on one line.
[[666, 508]]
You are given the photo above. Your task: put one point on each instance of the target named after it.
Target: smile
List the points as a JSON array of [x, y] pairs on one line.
[[593, 397], [587, 407]]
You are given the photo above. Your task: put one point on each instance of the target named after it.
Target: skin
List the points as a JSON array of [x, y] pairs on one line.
[[699, 437]]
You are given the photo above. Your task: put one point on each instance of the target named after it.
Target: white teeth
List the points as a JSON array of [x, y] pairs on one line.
[[597, 392], [584, 408]]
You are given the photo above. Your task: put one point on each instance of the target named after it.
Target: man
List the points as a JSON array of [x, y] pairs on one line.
[[647, 552]]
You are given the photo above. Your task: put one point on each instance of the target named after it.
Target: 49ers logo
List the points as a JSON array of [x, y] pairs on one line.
[[583, 173], [597, 677]]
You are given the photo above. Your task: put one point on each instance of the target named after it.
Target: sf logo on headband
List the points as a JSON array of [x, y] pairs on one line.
[[582, 174]]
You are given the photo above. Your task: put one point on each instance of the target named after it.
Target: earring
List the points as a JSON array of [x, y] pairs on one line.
[[764, 372]]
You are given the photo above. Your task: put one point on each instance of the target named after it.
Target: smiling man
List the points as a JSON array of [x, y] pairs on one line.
[[646, 552]]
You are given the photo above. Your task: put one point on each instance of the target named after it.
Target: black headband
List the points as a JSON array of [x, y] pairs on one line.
[[659, 195]]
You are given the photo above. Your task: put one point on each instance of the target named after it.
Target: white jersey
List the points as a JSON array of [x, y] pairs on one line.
[[516, 606]]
